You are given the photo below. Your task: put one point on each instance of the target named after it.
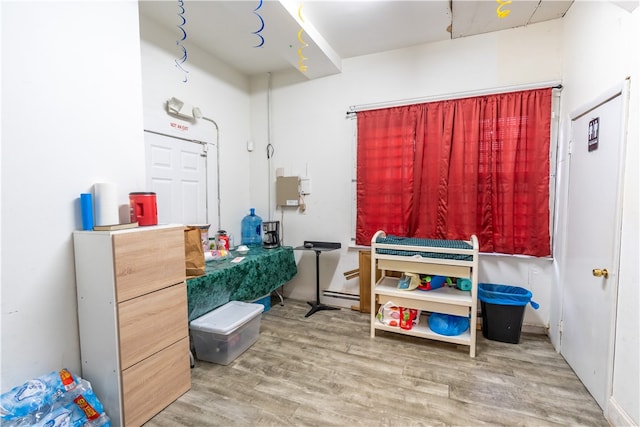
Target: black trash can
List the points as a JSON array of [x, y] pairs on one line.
[[503, 311]]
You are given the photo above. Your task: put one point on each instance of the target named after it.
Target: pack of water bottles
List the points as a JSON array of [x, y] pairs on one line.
[[58, 398]]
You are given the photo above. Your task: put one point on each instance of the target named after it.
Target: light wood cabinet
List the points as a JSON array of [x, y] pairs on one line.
[[132, 313]]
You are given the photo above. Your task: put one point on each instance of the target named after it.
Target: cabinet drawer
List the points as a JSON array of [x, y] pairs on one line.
[[151, 385], [152, 322], [148, 260]]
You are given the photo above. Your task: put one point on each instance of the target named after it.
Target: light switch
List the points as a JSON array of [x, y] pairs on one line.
[[305, 185]]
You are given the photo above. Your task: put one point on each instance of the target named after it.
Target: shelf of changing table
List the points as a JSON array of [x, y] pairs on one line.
[[421, 265], [443, 300], [422, 330]]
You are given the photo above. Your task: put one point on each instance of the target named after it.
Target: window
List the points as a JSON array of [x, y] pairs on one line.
[[449, 169]]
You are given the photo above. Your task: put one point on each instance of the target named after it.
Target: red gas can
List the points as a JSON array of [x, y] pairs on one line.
[[144, 208]]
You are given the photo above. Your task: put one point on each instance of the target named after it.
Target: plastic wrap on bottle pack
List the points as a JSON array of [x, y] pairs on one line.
[[78, 407], [35, 393]]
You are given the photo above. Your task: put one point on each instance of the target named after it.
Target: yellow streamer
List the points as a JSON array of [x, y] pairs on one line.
[[303, 44], [503, 13], [301, 57]]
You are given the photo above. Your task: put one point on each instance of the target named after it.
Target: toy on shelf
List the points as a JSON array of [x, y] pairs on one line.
[[409, 281], [463, 284], [393, 315], [429, 283]]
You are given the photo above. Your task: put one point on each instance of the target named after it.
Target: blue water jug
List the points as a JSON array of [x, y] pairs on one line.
[[252, 229]]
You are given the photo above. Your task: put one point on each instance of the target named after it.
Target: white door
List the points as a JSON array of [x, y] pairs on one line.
[[593, 235], [176, 172]]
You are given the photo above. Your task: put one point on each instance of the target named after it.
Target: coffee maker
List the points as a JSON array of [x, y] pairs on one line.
[[271, 233]]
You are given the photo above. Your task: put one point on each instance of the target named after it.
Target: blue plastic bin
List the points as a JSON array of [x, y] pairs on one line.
[[265, 301], [448, 324], [503, 311]]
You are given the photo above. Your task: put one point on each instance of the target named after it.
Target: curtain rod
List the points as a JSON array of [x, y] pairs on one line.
[[353, 109]]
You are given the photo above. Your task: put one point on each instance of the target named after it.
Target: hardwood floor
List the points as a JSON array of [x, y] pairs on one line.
[[326, 370]]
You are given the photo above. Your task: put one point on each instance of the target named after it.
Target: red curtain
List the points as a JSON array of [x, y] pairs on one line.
[[385, 194], [449, 169]]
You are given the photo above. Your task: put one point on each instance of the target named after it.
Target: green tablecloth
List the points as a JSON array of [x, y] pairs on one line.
[[259, 273]]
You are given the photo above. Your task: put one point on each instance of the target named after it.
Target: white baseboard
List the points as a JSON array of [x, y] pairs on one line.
[[340, 299], [342, 295], [535, 329], [617, 416]]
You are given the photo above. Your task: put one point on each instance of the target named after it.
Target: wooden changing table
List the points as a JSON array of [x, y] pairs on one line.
[[451, 258]]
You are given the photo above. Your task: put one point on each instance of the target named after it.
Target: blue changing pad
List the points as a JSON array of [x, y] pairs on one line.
[[434, 243]]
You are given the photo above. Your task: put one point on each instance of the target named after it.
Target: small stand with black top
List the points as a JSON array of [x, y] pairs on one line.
[[318, 247]]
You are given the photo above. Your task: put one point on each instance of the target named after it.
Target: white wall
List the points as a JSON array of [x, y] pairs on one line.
[[608, 35], [221, 93], [71, 117], [310, 132]]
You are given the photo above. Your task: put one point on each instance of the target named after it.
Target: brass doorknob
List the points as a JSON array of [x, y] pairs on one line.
[[598, 272]]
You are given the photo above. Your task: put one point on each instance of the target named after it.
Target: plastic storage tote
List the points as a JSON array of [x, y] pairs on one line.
[[225, 333], [503, 311]]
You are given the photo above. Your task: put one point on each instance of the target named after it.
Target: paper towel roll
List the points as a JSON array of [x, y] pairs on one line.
[[106, 203]]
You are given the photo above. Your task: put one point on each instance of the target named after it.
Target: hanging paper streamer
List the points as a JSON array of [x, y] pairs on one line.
[[503, 13], [183, 59], [301, 57], [303, 44], [259, 30]]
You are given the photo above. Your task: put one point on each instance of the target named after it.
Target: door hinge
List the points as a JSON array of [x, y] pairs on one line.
[[560, 327]]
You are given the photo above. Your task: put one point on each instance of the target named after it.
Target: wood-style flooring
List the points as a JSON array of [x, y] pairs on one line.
[[326, 370]]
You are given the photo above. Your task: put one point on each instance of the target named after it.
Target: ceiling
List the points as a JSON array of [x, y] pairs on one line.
[[233, 31]]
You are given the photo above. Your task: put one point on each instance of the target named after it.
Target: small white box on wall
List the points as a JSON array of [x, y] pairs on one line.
[[305, 185]]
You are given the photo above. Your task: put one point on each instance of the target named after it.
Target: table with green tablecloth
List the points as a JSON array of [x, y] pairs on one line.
[[261, 272]]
